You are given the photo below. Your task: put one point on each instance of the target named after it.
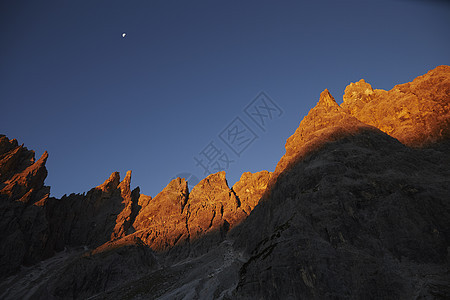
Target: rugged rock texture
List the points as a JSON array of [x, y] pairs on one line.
[[79, 274], [161, 223], [34, 226], [362, 217], [324, 123], [23, 226], [104, 213], [130, 201], [212, 205], [22, 177], [416, 113], [351, 211], [250, 188], [176, 217], [105, 268]]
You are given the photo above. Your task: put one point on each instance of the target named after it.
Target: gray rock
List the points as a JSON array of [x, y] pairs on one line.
[[362, 217]]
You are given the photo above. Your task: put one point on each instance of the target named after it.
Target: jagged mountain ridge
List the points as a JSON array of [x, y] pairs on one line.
[[332, 148]]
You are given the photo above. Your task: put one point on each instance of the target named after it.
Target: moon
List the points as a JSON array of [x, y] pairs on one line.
[[124, 34]]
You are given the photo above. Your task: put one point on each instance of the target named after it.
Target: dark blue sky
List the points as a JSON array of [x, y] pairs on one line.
[[152, 101]]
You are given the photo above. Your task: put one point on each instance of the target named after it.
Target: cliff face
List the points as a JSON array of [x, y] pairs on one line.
[[362, 217], [104, 213], [22, 178], [416, 113], [35, 226], [351, 212], [325, 123], [358, 207], [23, 226], [176, 217]]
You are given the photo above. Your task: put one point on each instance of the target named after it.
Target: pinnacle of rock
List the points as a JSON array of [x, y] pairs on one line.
[[124, 186], [111, 183], [327, 100]]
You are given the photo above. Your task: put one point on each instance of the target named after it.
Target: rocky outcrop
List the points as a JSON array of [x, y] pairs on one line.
[[161, 223], [104, 213], [212, 207], [111, 265], [77, 274], [250, 188], [23, 226], [126, 217], [363, 217], [22, 177], [352, 212], [34, 226], [325, 123], [37, 226], [176, 217], [416, 113]]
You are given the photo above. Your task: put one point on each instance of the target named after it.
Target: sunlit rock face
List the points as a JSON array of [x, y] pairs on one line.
[[22, 178], [213, 205], [176, 217], [250, 188], [161, 223], [351, 211], [358, 207], [326, 122], [416, 113]]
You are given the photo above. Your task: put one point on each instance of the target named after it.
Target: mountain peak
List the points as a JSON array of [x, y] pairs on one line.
[[326, 99], [23, 176], [111, 183], [416, 113], [124, 186], [357, 94], [215, 180], [324, 123]]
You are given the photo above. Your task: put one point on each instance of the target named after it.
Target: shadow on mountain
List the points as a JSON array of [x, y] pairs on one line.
[[35, 226], [104, 213], [362, 216]]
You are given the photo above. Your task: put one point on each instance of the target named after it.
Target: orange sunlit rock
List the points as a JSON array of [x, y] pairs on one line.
[[175, 216], [250, 189], [130, 200], [326, 122], [161, 223], [212, 206], [416, 113], [22, 177]]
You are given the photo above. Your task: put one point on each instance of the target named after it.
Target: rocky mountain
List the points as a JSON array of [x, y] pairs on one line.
[[358, 207]]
